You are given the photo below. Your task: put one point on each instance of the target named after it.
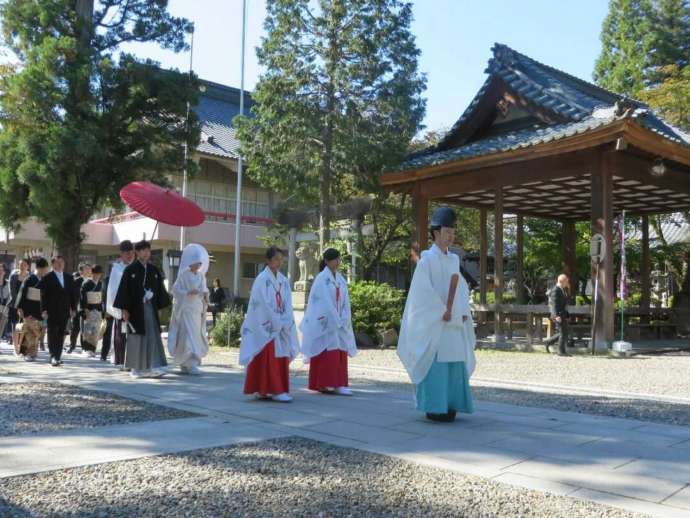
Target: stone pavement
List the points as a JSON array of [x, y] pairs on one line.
[[629, 464]]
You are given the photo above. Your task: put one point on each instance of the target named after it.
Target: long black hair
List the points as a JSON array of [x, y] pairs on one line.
[[328, 255]]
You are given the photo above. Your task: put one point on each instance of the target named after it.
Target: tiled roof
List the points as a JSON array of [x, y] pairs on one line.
[[218, 104], [676, 230], [507, 142], [584, 106]]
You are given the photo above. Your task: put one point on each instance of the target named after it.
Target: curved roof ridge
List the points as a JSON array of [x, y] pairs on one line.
[[563, 75]]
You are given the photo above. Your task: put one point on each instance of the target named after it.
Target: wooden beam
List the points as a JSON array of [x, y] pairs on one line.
[[547, 169], [483, 255], [498, 264], [656, 144], [630, 166], [520, 261], [602, 223], [420, 208], [569, 242], [645, 266]]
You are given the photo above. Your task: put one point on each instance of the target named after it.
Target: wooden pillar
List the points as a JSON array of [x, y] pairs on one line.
[[520, 261], [646, 266], [498, 263], [602, 223], [483, 255], [569, 242], [420, 208]]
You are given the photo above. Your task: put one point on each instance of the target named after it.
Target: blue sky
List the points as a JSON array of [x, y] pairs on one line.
[[455, 37]]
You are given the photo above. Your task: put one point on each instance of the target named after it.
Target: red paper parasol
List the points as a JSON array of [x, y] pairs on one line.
[[162, 204]]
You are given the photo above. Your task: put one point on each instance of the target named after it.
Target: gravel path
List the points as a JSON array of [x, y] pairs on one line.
[[382, 368], [40, 407], [282, 477]]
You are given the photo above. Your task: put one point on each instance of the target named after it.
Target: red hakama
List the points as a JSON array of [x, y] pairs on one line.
[[328, 370], [267, 374]]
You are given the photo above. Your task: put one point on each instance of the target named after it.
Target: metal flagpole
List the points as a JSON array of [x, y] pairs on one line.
[[183, 230], [240, 164]]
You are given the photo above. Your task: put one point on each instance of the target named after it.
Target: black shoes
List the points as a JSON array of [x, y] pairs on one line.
[[448, 417]]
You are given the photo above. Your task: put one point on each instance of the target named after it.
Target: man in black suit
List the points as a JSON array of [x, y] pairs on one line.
[[558, 307], [58, 305]]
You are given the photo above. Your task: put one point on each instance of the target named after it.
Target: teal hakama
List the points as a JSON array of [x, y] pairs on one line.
[[445, 388]]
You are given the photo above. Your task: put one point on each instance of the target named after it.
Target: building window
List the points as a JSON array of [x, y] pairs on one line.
[[215, 196], [251, 270]]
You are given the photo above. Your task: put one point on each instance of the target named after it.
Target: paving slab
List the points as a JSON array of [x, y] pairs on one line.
[[627, 463], [598, 478]]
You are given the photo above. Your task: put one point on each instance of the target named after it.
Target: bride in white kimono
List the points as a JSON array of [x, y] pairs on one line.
[[187, 340]]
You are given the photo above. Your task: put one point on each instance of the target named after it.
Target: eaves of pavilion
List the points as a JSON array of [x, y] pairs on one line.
[[538, 142]]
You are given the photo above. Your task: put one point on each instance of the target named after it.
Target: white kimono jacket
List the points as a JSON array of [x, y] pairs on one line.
[[266, 320], [187, 338], [424, 336], [327, 325], [113, 285]]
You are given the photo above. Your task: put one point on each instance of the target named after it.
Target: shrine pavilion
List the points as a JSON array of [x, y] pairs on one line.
[[538, 142]]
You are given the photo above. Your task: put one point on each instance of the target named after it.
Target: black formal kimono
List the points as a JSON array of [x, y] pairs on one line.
[[29, 305], [28, 300], [57, 300], [144, 350], [92, 313]]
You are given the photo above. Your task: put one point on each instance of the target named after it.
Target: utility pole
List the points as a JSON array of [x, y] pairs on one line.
[[240, 164]]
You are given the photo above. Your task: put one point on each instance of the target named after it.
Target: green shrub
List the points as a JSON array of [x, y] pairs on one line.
[[164, 316], [375, 307], [508, 298], [226, 332]]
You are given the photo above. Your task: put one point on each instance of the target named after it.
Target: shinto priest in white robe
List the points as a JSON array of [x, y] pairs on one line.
[[424, 335], [269, 317]]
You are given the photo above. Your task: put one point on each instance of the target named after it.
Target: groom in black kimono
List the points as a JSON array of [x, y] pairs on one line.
[[140, 296]]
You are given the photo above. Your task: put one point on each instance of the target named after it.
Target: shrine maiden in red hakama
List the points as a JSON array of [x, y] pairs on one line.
[[328, 338], [269, 335]]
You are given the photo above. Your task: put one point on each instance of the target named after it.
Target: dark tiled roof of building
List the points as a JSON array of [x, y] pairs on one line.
[[582, 105], [218, 104]]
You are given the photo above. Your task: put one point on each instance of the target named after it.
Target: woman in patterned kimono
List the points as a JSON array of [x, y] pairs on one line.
[[91, 303], [29, 311]]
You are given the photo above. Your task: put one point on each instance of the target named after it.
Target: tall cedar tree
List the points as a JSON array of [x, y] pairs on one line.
[[646, 54], [339, 101], [627, 40], [79, 119], [671, 29]]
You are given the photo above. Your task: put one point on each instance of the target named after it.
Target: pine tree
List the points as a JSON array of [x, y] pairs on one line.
[[627, 40], [79, 118], [339, 101]]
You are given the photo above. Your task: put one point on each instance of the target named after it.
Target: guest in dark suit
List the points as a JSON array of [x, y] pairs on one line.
[[83, 274], [558, 307], [58, 305], [217, 300]]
